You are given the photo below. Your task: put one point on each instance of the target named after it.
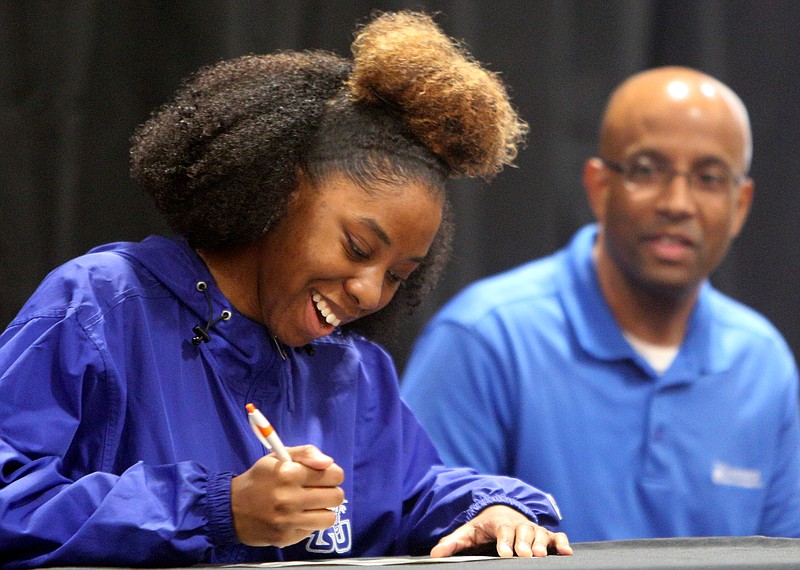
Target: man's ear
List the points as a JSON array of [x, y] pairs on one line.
[[744, 199], [597, 185]]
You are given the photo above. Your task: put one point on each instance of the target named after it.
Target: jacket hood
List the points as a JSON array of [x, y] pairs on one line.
[[177, 267], [241, 346]]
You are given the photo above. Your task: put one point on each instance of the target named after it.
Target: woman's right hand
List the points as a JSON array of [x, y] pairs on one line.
[[277, 503]]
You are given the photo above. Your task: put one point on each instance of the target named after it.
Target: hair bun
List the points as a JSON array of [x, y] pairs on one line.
[[458, 109]]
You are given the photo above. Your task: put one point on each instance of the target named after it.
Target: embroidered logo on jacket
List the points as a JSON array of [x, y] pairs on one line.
[[724, 474], [336, 539]]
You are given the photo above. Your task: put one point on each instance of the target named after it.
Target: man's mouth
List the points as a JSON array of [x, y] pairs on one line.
[[324, 312], [668, 239], [671, 248]]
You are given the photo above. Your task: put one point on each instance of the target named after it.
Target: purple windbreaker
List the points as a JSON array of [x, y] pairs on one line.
[[119, 435]]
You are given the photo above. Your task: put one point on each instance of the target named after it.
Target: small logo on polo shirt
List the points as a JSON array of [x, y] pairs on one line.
[[724, 474]]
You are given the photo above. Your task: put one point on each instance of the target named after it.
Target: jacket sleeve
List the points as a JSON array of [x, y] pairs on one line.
[[62, 499], [440, 499], [436, 499]]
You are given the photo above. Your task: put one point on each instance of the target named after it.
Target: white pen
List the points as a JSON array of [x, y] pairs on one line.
[[266, 434]]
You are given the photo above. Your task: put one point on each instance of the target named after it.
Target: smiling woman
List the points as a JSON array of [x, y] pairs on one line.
[[223, 159], [339, 254], [308, 195]]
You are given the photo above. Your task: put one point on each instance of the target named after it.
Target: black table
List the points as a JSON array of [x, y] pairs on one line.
[[754, 552], [739, 553]]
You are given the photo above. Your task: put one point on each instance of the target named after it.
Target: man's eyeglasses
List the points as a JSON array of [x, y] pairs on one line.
[[650, 173]]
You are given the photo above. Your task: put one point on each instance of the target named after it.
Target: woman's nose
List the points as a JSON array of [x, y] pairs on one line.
[[367, 289]]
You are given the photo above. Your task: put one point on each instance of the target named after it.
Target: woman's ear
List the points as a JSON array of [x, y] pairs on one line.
[[301, 178], [597, 185], [303, 182]]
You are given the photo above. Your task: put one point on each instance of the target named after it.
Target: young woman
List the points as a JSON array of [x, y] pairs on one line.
[[308, 192]]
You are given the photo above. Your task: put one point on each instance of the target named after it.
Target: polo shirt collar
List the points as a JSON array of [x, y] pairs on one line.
[[599, 334]]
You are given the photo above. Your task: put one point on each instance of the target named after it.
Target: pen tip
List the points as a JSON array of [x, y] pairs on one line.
[[250, 408]]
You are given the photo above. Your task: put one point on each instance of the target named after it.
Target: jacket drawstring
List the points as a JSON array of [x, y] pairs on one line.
[[203, 334]]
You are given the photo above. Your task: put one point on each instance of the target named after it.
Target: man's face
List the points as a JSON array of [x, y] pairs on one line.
[[667, 237]]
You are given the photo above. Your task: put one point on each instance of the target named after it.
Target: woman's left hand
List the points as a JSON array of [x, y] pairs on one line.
[[512, 532]]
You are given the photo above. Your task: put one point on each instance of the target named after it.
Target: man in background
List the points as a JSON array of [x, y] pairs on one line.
[[612, 374]]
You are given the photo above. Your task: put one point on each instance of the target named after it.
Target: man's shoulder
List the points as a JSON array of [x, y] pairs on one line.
[[733, 317], [532, 284], [732, 313]]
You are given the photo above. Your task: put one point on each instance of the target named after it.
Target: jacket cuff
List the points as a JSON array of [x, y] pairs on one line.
[[484, 502], [218, 505]]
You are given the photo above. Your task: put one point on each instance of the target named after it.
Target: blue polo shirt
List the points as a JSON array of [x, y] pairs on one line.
[[528, 374]]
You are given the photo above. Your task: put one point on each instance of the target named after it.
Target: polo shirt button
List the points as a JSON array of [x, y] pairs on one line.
[[658, 433]]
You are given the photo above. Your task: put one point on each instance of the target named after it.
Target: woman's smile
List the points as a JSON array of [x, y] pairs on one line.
[[339, 254]]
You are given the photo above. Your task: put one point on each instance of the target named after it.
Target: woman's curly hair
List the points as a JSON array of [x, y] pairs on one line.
[[221, 160], [458, 109]]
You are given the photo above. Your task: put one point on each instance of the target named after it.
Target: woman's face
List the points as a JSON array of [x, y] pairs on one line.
[[339, 254]]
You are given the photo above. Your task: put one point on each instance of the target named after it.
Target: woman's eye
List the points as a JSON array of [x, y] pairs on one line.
[[395, 278], [355, 251]]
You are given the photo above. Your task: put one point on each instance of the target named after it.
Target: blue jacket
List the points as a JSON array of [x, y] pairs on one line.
[[119, 436], [540, 384]]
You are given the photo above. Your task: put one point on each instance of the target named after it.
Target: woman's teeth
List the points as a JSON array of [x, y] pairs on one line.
[[325, 311]]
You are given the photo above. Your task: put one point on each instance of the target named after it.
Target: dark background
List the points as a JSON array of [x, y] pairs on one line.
[[77, 77]]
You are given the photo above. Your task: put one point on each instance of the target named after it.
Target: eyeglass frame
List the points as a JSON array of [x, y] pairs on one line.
[[669, 175]]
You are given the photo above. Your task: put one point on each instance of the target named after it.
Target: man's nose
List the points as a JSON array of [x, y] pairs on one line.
[[677, 198]]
